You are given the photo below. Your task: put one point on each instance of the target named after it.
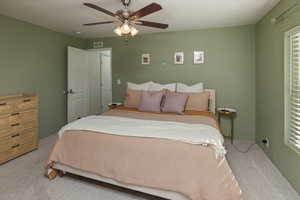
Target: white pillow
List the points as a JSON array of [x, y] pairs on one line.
[[193, 88], [142, 86], [159, 87]]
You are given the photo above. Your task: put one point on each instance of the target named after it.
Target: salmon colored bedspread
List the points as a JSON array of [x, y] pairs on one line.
[[192, 170]]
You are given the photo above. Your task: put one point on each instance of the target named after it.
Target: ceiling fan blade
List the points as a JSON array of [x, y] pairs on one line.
[[97, 23], [153, 7], [152, 24], [99, 9]]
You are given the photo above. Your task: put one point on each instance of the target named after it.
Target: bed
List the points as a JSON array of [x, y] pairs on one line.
[[163, 167]]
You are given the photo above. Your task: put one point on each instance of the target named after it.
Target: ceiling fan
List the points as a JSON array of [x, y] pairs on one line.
[[129, 18]]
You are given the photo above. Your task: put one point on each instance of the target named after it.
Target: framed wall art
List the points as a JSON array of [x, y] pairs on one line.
[[179, 58], [198, 57], [146, 59]]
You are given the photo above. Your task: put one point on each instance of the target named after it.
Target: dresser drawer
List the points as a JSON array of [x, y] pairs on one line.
[[29, 115], [16, 151], [25, 137], [25, 104], [21, 126], [5, 107], [12, 123], [24, 148]]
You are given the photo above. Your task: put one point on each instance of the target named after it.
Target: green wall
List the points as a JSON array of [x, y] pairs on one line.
[[270, 89], [229, 66], [34, 60]]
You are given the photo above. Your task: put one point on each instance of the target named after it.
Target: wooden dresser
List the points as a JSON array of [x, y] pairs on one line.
[[18, 125]]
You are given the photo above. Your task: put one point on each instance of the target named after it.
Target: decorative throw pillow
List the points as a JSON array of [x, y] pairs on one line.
[[174, 102], [193, 88], [142, 86], [151, 101], [133, 98], [159, 87], [198, 101]]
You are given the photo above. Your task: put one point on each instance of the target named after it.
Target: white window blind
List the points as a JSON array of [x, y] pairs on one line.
[[292, 135]]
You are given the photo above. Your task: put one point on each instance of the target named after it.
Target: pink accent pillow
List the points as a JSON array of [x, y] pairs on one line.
[[198, 101], [174, 102], [133, 98], [151, 101]]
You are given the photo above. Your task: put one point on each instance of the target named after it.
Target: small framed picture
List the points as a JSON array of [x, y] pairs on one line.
[[198, 57], [146, 59], [179, 58]]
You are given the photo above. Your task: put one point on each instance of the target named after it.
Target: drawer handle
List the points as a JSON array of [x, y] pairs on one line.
[[15, 146], [3, 104], [26, 100], [16, 135], [16, 124], [14, 114]]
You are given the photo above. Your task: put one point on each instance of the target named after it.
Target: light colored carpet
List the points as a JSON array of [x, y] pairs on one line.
[[22, 179]]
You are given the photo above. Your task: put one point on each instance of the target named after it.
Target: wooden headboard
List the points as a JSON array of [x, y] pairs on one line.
[[212, 100]]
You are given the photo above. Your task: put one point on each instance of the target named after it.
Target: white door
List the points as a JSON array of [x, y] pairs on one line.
[[106, 79], [78, 84]]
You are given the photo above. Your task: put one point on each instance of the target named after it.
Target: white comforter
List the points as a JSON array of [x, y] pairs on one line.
[[190, 133]]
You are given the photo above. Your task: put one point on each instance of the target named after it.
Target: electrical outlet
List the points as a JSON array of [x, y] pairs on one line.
[[266, 142]]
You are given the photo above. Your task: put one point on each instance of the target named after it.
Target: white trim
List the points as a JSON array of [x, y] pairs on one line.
[[100, 49], [287, 84]]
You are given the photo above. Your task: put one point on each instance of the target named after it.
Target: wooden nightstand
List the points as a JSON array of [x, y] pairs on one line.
[[114, 105], [229, 113]]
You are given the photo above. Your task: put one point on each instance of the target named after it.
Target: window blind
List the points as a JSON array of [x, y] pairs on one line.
[[293, 100]]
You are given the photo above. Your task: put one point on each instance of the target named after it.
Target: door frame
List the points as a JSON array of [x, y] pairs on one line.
[[111, 64]]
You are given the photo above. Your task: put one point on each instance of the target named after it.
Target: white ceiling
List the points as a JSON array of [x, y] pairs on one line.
[[67, 16]]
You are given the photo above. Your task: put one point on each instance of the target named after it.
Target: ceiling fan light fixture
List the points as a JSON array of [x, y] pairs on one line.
[[118, 31], [134, 31], [125, 28]]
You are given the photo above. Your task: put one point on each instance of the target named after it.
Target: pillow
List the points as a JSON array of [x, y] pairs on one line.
[[151, 101], [198, 101], [185, 88], [159, 87], [174, 102], [133, 98], [142, 86]]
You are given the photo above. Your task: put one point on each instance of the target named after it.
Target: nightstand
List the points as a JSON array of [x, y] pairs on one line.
[[114, 105], [229, 113]]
